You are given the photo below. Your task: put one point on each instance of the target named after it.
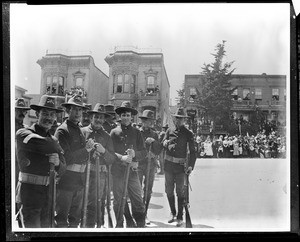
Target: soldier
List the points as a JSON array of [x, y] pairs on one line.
[[86, 119], [105, 152], [109, 123], [129, 147], [20, 112], [76, 153], [162, 153], [38, 150], [153, 147], [175, 142]]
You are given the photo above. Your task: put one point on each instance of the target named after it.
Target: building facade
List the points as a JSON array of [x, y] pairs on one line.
[[266, 93], [140, 77], [62, 75]]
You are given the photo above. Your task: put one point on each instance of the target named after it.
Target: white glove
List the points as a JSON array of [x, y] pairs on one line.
[[149, 140], [131, 152], [126, 158], [89, 145], [100, 148], [165, 143], [134, 165], [54, 158], [189, 170], [150, 155]]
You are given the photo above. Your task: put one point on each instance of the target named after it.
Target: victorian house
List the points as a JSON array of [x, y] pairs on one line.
[[139, 76]]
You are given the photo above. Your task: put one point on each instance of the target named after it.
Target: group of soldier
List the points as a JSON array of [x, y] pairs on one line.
[[94, 161]]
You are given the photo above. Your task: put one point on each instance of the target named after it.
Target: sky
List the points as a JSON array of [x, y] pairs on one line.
[[257, 36]]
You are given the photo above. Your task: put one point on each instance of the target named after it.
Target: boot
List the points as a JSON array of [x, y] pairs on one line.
[[171, 200], [180, 211]]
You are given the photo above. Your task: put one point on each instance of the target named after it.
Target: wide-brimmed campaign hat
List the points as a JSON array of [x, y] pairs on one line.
[[109, 108], [99, 108], [20, 104], [126, 107], [180, 113], [76, 100], [48, 102], [147, 114], [88, 106]]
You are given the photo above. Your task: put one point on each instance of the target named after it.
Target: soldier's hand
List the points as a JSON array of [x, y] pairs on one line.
[[89, 145], [151, 155], [126, 158], [149, 140], [189, 170], [131, 152], [100, 148], [134, 165], [165, 143], [53, 158]]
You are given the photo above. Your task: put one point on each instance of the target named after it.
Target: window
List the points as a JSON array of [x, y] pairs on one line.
[[258, 93], [150, 85], [275, 94], [79, 82], [132, 84], [193, 92], [246, 94], [126, 83], [55, 85], [234, 94], [119, 83]]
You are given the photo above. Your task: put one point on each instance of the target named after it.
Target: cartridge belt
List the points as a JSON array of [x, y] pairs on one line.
[[102, 168], [33, 179], [174, 159], [76, 167]]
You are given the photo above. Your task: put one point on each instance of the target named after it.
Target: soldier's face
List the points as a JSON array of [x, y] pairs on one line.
[[86, 119], [46, 118], [126, 118], [75, 114], [179, 121], [146, 123], [98, 120], [20, 115]]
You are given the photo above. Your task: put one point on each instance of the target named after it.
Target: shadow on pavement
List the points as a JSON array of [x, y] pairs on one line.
[[157, 194], [155, 206], [156, 224]]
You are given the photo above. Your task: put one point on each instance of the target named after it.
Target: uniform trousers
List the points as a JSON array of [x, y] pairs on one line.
[[134, 191]]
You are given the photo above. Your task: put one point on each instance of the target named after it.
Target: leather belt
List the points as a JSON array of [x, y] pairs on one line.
[[33, 179], [102, 168], [76, 168], [174, 159]]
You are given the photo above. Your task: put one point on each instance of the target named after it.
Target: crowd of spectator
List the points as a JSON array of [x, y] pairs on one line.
[[261, 145]]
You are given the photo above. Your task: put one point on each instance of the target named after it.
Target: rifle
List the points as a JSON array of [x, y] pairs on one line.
[[52, 196], [86, 192], [124, 198], [188, 222], [108, 201], [98, 206], [147, 181]]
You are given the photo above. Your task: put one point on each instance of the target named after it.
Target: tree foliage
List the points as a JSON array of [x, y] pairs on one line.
[[216, 93], [181, 97]]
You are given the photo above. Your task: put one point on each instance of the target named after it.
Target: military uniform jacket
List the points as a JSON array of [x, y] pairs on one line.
[[156, 147], [73, 142], [177, 147], [126, 137], [102, 137], [33, 145]]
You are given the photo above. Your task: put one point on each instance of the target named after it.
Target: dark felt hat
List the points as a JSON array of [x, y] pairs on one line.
[[20, 104], [99, 108], [180, 113], [109, 108], [48, 102], [126, 107], [147, 114], [76, 100]]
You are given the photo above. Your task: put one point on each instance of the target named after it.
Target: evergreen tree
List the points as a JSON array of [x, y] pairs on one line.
[[216, 93], [181, 97]]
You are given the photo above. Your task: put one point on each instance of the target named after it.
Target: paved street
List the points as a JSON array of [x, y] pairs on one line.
[[227, 195], [231, 194]]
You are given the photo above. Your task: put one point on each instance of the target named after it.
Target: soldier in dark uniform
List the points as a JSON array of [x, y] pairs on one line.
[[130, 149], [175, 142], [76, 152], [109, 123], [38, 149], [154, 148], [86, 118], [106, 154], [162, 153]]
